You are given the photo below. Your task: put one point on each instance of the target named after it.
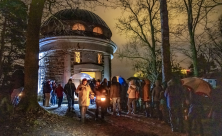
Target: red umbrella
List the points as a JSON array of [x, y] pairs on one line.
[[198, 85]]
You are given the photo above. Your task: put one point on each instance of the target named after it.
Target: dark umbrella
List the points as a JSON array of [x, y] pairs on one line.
[[133, 78]]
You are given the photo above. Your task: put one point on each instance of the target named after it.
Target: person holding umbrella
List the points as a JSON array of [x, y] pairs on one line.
[[195, 111]]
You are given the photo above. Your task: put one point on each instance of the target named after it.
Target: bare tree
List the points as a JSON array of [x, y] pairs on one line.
[[141, 23], [197, 17]]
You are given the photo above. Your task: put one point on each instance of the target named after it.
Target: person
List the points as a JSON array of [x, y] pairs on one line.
[[115, 91], [156, 98], [47, 91], [69, 90], [100, 92], [175, 97], [139, 103], [195, 112], [216, 110], [43, 91], [59, 92], [163, 105], [124, 87], [53, 95], [92, 86], [146, 97], [109, 102], [85, 93], [132, 97], [104, 84]]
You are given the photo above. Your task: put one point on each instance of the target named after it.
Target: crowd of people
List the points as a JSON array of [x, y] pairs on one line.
[[165, 101]]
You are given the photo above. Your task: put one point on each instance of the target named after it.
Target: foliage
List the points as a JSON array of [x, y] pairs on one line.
[[13, 28]]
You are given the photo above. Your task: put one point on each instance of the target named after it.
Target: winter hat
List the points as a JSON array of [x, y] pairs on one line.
[[84, 79]]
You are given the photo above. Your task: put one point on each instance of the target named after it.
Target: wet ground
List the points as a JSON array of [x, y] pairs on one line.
[[60, 122], [136, 124]]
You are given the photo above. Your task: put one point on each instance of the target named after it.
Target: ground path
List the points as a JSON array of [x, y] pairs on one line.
[[63, 123]]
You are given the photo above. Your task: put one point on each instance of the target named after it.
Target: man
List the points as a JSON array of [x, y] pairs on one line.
[[100, 92], [115, 91], [92, 86], [47, 91], [69, 90], [156, 98], [85, 93], [175, 97]]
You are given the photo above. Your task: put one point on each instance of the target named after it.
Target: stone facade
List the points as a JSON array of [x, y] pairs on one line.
[[65, 52]]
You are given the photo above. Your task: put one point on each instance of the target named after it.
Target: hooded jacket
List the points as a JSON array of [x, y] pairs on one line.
[[59, 91], [156, 91], [84, 92], [132, 90], [146, 96], [115, 88], [69, 89], [174, 94]]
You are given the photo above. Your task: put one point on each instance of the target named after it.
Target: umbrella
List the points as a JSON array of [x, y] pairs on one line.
[[198, 85], [133, 78], [81, 76]]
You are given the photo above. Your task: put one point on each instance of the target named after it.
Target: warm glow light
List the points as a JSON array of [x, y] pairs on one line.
[[103, 99], [100, 58], [92, 74], [77, 56], [184, 71], [78, 26], [97, 30]]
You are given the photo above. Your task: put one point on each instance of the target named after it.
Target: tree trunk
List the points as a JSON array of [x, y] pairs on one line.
[[29, 100], [194, 55], [2, 46], [166, 64]]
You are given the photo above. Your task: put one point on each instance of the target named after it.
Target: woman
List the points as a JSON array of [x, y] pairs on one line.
[[84, 91], [132, 97], [59, 92]]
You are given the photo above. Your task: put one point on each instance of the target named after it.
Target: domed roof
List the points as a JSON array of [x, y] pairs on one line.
[[76, 14]]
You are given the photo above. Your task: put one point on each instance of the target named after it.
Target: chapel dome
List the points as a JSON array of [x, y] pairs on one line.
[[76, 22]]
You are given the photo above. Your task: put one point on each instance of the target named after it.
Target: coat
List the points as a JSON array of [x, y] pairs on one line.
[[132, 91], [59, 91], [69, 89], [174, 95], [146, 96], [47, 88], [84, 92], [100, 92], [156, 93], [115, 90]]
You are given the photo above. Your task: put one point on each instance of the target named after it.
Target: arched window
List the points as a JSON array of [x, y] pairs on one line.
[[78, 26], [98, 30], [100, 58], [77, 57]]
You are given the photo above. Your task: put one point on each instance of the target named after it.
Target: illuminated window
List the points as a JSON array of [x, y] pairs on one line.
[[78, 26], [100, 58], [97, 30], [77, 57]]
